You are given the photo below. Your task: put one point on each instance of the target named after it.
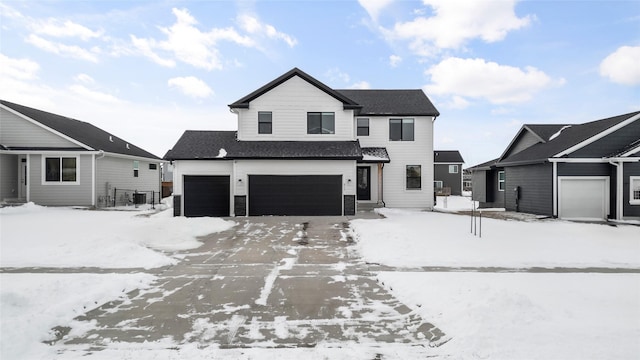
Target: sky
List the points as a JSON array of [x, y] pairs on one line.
[[147, 71]]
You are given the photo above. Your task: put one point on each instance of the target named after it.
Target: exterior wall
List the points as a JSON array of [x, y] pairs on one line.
[[401, 154], [8, 176], [611, 143], [629, 211], [373, 186], [485, 189], [453, 181], [16, 131], [200, 167], [289, 103], [79, 194], [479, 186], [535, 184], [117, 173], [525, 140], [594, 169]]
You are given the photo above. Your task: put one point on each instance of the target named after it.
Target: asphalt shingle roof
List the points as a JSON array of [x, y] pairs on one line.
[[375, 155], [392, 102], [81, 131], [447, 156], [212, 145]]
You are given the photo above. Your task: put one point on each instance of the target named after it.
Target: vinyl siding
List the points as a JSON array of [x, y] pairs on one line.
[[61, 194], [17, 131], [485, 189], [114, 172], [8, 176], [479, 186], [536, 188], [610, 144], [289, 103], [630, 169], [401, 154], [453, 181]]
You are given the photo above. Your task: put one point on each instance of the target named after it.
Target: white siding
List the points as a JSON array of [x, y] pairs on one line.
[[60, 194], [17, 131], [403, 153], [289, 103], [117, 173]]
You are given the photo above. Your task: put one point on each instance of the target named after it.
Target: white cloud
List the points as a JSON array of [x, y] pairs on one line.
[[335, 74], [361, 85], [373, 7], [58, 28], [622, 66], [21, 69], [456, 22], [144, 47], [71, 51], [394, 60], [94, 95], [191, 86], [84, 78], [252, 25], [457, 102], [477, 78]]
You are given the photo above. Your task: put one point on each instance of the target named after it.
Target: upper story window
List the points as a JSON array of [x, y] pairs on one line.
[[61, 169], [264, 122], [321, 123], [414, 177], [401, 129], [501, 179], [136, 168], [453, 169], [362, 126]]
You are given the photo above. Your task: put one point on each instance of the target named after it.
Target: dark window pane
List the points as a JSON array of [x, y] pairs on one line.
[[68, 169], [363, 131], [414, 177], [314, 123], [407, 129], [264, 122], [52, 168], [395, 129], [264, 128], [363, 127], [264, 116], [328, 123]]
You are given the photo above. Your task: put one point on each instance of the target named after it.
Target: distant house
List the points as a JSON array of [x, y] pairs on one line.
[[588, 171], [447, 172], [303, 148], [54, 160]]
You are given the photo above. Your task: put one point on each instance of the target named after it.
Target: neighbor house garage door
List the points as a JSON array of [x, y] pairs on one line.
[[206, 195], [295, 195], [583, 198]]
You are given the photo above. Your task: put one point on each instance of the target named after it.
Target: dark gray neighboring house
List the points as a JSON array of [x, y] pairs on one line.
[[447, 171], [588, 171]]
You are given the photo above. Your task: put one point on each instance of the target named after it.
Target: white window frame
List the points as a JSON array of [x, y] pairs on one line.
[[455, 169], [136, 168], [438, 184], [43, 172], [503, 181], [633, 180]]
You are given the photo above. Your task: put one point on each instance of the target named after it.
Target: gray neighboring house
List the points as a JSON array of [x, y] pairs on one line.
[[447, 171], [588, 171], [54, 160]]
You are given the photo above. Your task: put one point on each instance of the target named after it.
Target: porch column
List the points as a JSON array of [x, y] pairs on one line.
[[380, 184]]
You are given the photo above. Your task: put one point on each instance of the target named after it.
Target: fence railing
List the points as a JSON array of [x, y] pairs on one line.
[[122, 197]]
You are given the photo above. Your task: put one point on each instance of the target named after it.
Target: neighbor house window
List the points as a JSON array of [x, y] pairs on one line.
[[501, 180], [414, 177], [264, 122], [321, 123], [363, 127], [61, 169], [634, 185], [453, 169], [438, 185], [153, 166], [401, 129], [136, 167]]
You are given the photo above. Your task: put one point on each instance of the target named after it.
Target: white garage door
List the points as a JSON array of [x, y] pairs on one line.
[[583, 198]]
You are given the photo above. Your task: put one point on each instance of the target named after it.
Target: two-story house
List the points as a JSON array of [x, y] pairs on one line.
[[303, 148]]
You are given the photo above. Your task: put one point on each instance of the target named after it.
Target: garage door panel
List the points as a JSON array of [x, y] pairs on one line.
[[583, 198], [295, 195], [206, 196]]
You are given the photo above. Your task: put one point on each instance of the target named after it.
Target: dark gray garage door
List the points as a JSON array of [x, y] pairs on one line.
[[295, 195], [206, 196]]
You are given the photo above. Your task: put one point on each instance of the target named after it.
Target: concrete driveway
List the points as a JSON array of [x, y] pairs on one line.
[[269, 281]]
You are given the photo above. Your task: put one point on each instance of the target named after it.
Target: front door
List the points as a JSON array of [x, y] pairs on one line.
[[22, 178], [364, 183]]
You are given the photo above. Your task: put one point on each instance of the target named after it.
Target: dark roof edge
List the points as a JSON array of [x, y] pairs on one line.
[[267, 158]]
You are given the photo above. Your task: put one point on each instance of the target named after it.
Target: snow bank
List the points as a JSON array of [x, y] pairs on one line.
[[414, 239], [39, 236], [32, 304]]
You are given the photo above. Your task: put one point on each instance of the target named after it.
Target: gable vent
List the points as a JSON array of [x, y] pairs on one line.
[[128, 146], [110, 138]]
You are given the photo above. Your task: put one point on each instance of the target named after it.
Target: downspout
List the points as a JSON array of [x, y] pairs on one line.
[[95, 170], [619, 184], [381, 185]]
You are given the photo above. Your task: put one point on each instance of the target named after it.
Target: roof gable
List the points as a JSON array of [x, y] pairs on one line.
[[80, 132], [447, 156], [243, 103]]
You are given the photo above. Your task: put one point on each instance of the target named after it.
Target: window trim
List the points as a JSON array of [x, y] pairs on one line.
[[136, 168], [503, 181], [43, 166], [435, 187], [270, 122], [633, 179], [406, 177], [402, 123], [322, 114], [358, 127], [456, 167]]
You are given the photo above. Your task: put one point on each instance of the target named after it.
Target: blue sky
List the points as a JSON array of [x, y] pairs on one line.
[[148, 70]]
